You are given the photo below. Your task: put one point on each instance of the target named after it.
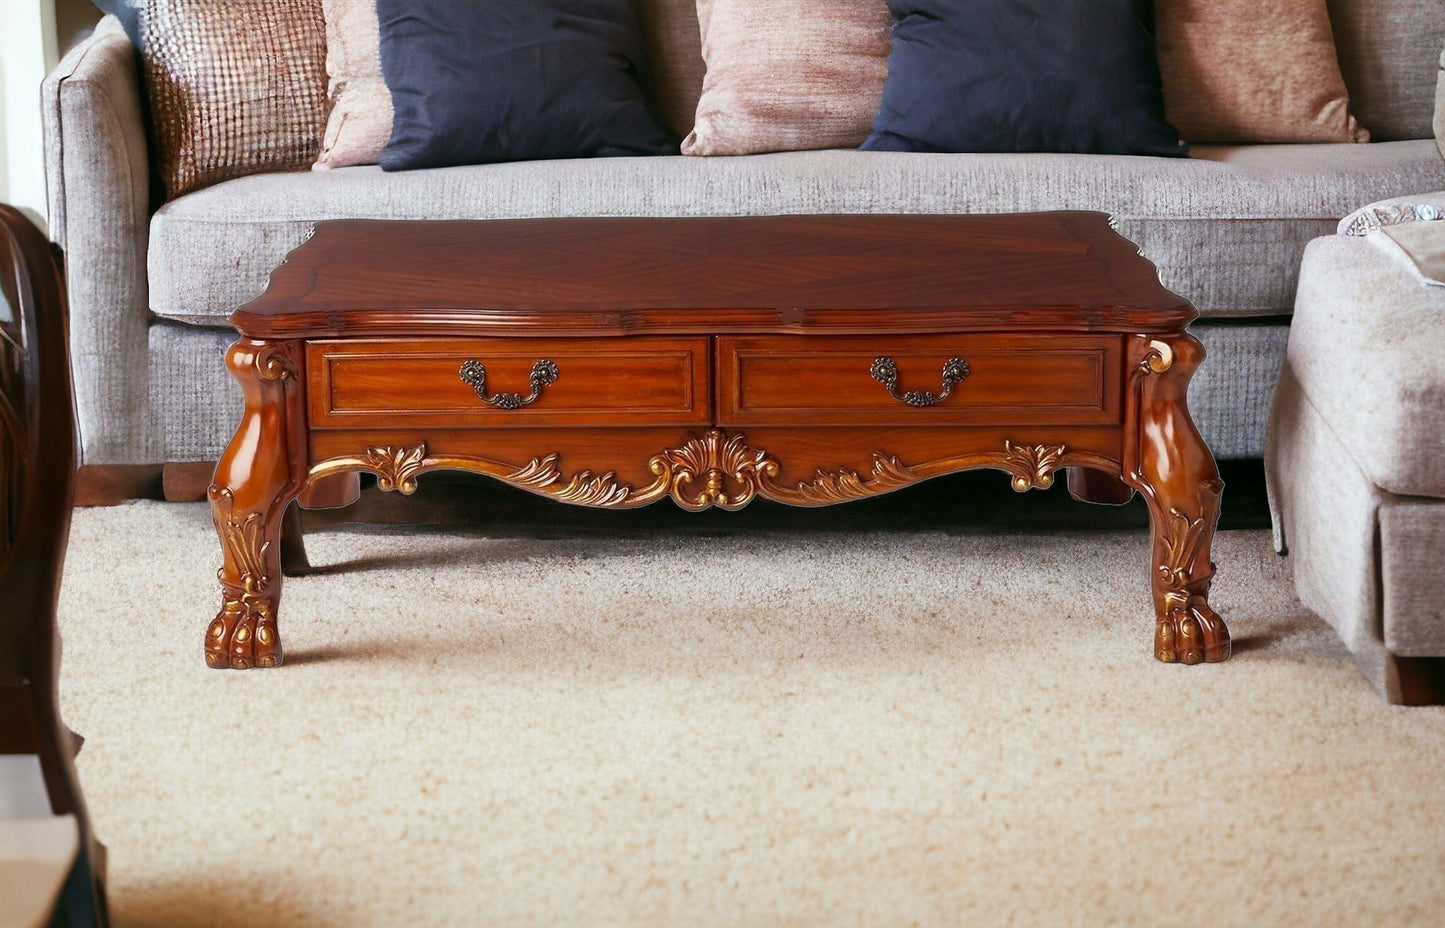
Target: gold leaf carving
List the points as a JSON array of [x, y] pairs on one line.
[[1158, 359], [1032, 466], [714, 470], [273, 362], [584, 489], [1181, 536], [888, 473], [248, 552], [538, 474], [245, 603], [395, 468]]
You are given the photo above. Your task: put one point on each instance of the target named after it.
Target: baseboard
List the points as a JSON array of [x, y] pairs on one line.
[[187, 483], [113, 484]]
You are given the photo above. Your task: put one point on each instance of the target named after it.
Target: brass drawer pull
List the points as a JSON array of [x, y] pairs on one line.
[[885, 371], [474, 375]]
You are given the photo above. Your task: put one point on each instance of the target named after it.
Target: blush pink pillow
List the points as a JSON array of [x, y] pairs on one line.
[[359, 124], [784, 75]]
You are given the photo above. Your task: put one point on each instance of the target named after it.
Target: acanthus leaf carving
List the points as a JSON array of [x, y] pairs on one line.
[[728, 471], [1032, 466], [840, 486], [711, 470], [247, 606], [543, 475], [396, 468]]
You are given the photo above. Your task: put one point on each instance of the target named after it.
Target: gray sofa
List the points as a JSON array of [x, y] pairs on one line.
[[151, 284]]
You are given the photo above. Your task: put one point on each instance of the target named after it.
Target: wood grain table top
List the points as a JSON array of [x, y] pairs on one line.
[[859, 274]]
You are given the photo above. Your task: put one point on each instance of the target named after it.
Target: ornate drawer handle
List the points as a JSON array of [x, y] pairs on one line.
[[886, 372], [474, 375]]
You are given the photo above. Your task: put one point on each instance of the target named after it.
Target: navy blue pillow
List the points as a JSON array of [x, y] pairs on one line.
[[473, 83], [1023, 75]]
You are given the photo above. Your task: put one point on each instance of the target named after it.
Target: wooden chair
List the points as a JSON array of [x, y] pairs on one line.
[[50, 863]]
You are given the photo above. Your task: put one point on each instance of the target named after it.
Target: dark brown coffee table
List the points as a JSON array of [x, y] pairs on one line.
[[809, 360]]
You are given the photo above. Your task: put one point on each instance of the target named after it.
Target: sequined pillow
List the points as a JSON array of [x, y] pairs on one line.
[[234, 88]]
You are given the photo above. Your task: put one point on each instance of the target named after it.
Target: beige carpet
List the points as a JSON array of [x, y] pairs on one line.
[[788, 728]]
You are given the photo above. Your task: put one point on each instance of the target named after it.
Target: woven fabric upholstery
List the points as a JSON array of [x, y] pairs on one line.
[[215, 113], [1388, 50], [1227, 230], [674, 46], [1362, 349]]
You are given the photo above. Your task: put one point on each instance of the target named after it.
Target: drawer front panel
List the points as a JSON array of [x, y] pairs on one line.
[[1010, 379], [362, 383]]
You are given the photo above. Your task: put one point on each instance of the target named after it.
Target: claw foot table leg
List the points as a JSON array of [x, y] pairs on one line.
[[1174, 471], [258, 476]]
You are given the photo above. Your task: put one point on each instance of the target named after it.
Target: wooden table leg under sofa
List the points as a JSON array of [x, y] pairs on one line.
[[809, 360]]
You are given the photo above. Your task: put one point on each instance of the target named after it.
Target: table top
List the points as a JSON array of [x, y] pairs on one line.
[[854, 274]]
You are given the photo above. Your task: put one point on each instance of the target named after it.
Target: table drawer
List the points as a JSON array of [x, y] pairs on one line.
[[835, 380], [403, 382]]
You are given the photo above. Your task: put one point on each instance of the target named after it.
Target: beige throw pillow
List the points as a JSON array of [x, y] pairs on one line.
[[1252, 71], [784, 75], [359, 125], [214, 113]]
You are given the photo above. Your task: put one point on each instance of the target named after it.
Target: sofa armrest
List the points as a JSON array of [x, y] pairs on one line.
[[97, 174]]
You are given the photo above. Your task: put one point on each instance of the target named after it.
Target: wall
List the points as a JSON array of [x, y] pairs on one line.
[[33, 34]]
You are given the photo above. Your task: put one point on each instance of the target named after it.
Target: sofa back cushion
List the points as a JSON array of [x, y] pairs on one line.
[[1388, 51], [674, 46]]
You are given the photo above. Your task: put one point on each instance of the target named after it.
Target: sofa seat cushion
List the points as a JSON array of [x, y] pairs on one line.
[[1226, 227], [1363, 347]]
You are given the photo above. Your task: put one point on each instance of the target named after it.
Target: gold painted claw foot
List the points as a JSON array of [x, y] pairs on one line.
[[1192, 634], [258, 476], [243, 635]]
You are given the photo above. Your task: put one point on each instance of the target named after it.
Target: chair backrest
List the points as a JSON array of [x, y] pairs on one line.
[[37, 452], [37, 480]]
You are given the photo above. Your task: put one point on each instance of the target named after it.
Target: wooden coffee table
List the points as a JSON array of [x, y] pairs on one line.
[[809, 360]]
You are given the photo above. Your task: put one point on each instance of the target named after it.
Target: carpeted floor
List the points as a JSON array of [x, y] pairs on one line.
[[820, 724]]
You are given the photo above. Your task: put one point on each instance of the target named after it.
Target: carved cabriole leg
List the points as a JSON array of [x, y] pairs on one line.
[[256, 479], [1169, 464]]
